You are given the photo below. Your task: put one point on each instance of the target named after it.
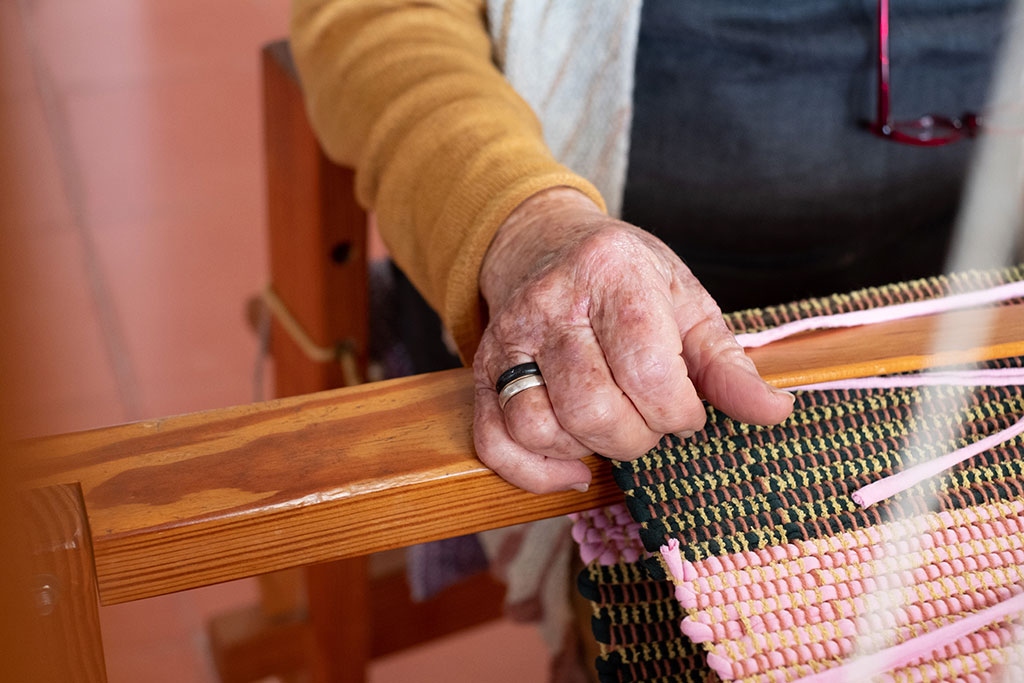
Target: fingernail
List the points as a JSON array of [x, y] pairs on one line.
[[783, 392], [582, 488], [686, 434]]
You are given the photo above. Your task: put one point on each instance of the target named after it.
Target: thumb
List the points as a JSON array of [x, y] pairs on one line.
[[728, 379], [735, 388]]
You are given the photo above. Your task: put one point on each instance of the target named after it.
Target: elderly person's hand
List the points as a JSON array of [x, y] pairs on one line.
[[624, 336]]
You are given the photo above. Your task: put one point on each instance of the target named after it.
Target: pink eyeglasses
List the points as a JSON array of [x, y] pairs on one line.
[[931, 130]]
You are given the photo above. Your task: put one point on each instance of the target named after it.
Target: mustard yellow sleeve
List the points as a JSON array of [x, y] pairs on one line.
[[444, 149]]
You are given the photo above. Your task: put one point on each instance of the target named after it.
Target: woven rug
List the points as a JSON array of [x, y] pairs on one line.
[[741, 555]]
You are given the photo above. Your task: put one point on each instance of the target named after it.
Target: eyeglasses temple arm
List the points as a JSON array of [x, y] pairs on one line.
[[882, 120]]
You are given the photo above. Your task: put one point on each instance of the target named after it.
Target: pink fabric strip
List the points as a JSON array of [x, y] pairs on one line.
[[974, 378], [901, 481], [980, 297], [965, 570], [608, 535], [904, 653], [892, 485]]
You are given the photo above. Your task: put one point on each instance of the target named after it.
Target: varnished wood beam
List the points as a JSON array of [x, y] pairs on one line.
[[193, 500]]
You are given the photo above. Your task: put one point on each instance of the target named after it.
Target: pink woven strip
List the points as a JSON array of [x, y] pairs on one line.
[[901, 481], [914, 309], [607, 535], [904, 653], [1003, 377], [775, 614]]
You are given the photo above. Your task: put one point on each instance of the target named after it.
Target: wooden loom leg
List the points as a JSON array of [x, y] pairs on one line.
[[341, 616]]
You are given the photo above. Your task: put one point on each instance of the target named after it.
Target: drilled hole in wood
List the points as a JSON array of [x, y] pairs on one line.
[[341, 252]]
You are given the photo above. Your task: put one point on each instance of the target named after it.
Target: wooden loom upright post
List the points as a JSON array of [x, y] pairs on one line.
[[318, 270], [65, 626], [317, 239]]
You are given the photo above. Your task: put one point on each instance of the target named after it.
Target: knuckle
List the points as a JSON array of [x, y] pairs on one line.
[[537, 432], [612, 239], [712, 334], [596, 417], [648, 371]]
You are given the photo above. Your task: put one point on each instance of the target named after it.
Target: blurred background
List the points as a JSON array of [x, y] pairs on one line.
[[132, 215]]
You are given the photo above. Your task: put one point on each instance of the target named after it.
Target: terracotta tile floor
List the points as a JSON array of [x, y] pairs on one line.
[[132, 200]]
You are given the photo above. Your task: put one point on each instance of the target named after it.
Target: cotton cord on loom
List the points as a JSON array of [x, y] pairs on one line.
[[901, 481], [897, 656], [1012, 290]]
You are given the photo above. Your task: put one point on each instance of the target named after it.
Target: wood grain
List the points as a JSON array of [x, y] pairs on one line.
[[197, 499]]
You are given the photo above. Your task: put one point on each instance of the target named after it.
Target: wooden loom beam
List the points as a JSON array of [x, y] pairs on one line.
[[197, 499]]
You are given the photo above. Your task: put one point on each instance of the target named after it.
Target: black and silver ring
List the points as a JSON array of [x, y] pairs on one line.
[[514, 373], [516, 379]]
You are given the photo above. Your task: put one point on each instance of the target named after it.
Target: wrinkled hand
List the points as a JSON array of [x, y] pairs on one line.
[[624, 336]]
